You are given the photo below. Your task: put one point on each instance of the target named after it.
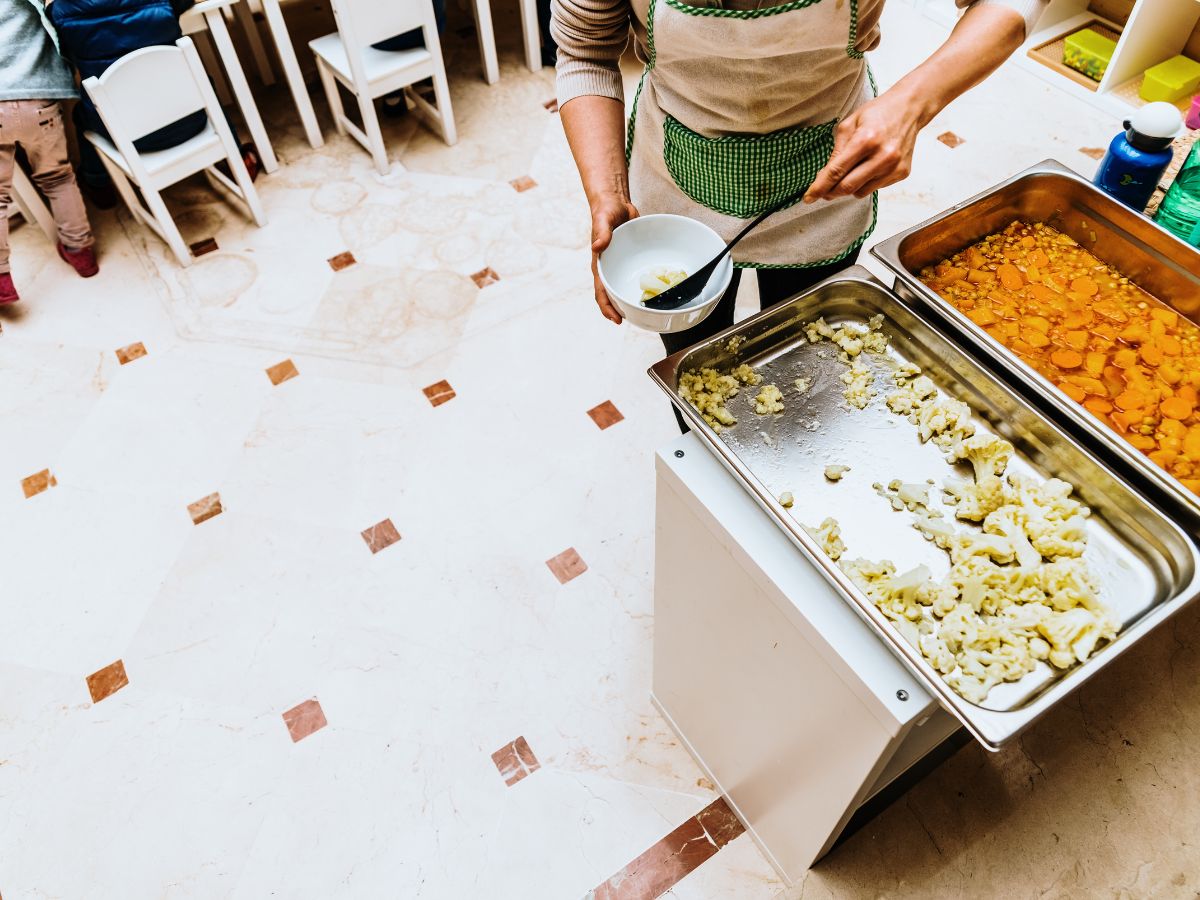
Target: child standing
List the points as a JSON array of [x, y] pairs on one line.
[[33, 78]]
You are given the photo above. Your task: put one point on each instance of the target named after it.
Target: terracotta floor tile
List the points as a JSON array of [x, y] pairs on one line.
[[107, 681], [130, 353], [205, 508], [523, 184], [38, 482], [515, 761], [281, 372], [605, 415], [950, 139], [675, 856], [381, 536], [304, 719], [208, 245], [342, 261], [484, 277], [439, 393], [567, 565]]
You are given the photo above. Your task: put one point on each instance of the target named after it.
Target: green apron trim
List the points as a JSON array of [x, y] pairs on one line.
[[641, 81], [718, 12], [851, 46], [859, 241], [743, 176]]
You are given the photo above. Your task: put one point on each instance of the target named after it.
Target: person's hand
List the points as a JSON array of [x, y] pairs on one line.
[[873, 148], [608, 212]]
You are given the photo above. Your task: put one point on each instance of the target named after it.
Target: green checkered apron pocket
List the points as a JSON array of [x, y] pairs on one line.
[[744, 175]]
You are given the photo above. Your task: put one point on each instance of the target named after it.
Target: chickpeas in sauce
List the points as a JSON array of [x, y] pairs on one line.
[[1129, 359]]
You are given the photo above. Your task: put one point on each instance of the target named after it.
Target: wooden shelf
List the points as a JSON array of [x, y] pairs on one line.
[[1148, 32], [1050, 53]]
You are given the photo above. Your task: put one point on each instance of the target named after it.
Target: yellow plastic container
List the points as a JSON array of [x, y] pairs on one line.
[[1172, 80], [1089, 52]]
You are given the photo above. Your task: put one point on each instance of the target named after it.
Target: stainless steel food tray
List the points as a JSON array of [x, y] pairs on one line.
[[1152, 258], [1148, 565]]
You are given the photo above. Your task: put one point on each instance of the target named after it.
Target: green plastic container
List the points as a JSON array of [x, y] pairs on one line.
[[1089, 52], [1172, 80]]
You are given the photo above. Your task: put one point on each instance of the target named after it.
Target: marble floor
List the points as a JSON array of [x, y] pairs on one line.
[[326, 562]]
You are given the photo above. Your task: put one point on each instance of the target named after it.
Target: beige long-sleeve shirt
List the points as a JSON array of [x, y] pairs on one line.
[[592, 35]]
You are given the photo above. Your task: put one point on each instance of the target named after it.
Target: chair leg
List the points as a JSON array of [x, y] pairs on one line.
[[375, 143], [332, 97], [124, 188], [249, 194], [441, 91], [166, 224]]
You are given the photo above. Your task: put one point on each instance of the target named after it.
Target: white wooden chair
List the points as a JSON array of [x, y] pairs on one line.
[[28, 202], [139, 94], [347, 58]]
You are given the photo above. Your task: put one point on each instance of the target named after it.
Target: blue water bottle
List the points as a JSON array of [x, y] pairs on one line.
[[1137, 158]]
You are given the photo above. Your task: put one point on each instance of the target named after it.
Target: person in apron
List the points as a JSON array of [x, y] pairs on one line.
[[744, 102]]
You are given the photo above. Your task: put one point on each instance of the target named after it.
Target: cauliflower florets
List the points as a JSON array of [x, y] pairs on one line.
[[987, 454], [974, 502], [707, 390], [945, 421], [769, 400], [858, 380], [1009, 521], [911, 395], [828, 536], [818, 329]]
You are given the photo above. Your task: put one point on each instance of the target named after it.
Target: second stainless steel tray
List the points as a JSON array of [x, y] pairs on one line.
[[1148, 566], [1159, 263]]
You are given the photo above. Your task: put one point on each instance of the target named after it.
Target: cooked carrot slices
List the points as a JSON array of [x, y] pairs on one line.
[[1127, 358]]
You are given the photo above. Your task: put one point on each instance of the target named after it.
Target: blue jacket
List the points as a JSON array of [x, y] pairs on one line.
[[93, 34]]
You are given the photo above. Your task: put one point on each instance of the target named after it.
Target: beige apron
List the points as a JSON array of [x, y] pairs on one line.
[[736, 110]]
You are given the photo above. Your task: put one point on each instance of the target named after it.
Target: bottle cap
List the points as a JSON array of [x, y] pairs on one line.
[[1154, 126]]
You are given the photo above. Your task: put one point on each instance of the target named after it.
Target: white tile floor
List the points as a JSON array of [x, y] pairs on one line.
[[439, 650]]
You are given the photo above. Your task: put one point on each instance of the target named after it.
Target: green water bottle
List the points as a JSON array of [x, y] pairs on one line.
[[1180, 209]]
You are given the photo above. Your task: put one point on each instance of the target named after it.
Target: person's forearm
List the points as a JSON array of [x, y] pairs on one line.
[[595, 128], [982, 40]]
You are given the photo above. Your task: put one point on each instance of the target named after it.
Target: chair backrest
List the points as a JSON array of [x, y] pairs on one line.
[[365, 22], [149, 88]]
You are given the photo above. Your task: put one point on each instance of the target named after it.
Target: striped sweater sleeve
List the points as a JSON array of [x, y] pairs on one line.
[[591, 36]]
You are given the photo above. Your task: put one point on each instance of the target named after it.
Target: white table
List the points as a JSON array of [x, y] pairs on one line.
[[210, 14], [487, 38], [291, 70], [789, 702]]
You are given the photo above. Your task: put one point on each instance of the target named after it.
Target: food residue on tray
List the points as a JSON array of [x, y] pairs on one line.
[[1129, 359], [828, 536], [769, 400], [802, 385], [657, 279], [835, 472], [786, 499], [708, 391], [853, 340]]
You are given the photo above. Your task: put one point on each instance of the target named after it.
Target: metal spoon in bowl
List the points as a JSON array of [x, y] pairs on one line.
[[691, 287]]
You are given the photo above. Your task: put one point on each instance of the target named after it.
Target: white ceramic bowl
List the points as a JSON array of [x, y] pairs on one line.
[[662, 240]]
